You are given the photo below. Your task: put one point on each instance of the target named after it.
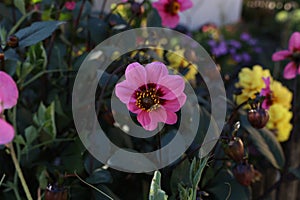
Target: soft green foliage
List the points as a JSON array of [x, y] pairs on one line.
[[156, 193]]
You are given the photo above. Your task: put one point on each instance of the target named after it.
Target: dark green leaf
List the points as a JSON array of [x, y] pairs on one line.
[[266, 143], [37, 32], [153, 19], [295, 172], [20, 4], [31, 134], [99, 176]]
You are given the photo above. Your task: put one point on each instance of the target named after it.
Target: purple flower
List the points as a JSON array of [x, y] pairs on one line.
[[152, 94], [235, 44], [292, 68], [267, 93], [245, 36]]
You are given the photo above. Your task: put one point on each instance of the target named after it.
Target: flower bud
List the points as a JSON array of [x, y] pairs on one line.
[[235, 149], [12, 41], [56, 193], [244, 173], [137, 9], [258, 118]]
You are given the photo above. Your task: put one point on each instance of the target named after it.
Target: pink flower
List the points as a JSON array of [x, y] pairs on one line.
[[7, 132], [8, 98], [70, 5], [169, 9], [267, 93], [152, 94], [292, 68]]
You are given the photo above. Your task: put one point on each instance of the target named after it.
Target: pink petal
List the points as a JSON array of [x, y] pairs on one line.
[[294, 42], [136, 74], [168, 20], [8, 91], [265, 105], [174, 86], [290, 71], [175, 104], [144, 119], [158, 115], [133, 108], [160, 5], [171, 118], [185, 4], [155, 71], [7, 132], [124, 91], [281, 55]]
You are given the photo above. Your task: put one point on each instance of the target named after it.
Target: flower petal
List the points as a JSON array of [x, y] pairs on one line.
[[124, 91], [158, 115], [281, 55], [155, 71], [133, 108], [173, 86], [185, 4], [7, 132], [168, 20], [8, 91], [136, 74], [171, 118], [144, 119], [175, 104], [294, 42], [290, 70]]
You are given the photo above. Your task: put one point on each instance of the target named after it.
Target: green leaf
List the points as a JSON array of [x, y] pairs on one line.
[[19, 139], [31, 134], [266, 143], [295, 172], [98, 29], [20, 4], [225, 186], [37, 32], [153, 19], [156, 193], [45, 119], [99, 176]]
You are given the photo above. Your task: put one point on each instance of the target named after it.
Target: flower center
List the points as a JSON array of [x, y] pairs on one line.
[[147, 99], [172, 7], [296, 56]]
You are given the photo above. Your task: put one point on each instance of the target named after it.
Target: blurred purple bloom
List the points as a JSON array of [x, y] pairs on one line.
[[245, 36], [235, 44]]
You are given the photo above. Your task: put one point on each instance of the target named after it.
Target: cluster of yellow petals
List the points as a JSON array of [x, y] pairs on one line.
[[251, 83], [177, 62]]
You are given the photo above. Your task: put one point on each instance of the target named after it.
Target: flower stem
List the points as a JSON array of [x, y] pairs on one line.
[[18, 169]]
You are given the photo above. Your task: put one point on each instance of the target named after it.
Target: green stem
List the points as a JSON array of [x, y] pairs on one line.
[[2, 179], [18, 169]]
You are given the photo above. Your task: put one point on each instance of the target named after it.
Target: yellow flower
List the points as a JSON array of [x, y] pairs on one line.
[[281, 94], [180, 64], [279, 122], [251, 82]]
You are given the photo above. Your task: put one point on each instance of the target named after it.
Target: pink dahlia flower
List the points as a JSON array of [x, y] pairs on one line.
[[267, 93], [292, 68], [8, 98], [70, 5], [169, 9], [152, 94]]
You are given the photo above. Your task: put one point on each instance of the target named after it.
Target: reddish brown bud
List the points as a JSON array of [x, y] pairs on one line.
[[12, 41], [56, 193], [258, 118], [235, 149], [244, 173]]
